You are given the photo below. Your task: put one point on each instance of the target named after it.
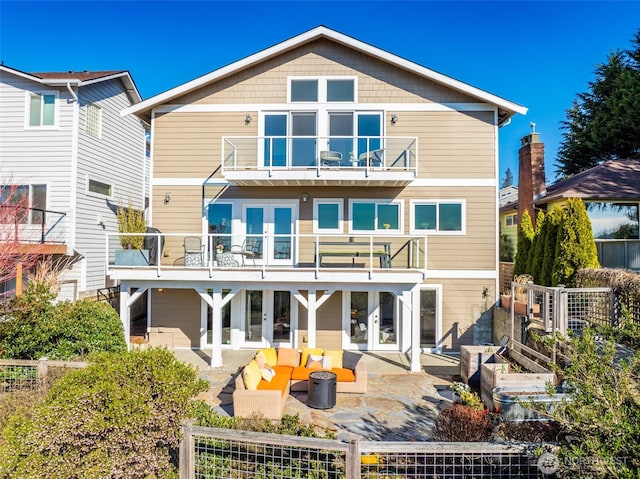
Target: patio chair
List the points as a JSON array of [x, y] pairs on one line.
[[193, 251], [330, 158], [373, 158], [251, 248]]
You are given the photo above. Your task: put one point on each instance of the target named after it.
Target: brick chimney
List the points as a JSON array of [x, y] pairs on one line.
[[531, 178]]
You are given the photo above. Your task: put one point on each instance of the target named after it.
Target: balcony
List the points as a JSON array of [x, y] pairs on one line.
[[319, 161], [33, 230], [276, 258]]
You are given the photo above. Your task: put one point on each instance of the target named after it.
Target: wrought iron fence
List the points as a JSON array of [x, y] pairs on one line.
[[208, 453]]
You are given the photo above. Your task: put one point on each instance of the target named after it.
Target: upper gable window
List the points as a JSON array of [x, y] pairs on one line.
[[42, 110], [304, 90], [340, 90], [322, 89], [93, 126]]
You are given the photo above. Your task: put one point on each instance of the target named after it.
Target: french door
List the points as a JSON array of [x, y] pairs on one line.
[[269, 231], [371, 320], [267, 319]]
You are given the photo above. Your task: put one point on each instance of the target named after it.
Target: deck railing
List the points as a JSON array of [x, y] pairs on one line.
[[270, 251], [33, 225], [348, 153]]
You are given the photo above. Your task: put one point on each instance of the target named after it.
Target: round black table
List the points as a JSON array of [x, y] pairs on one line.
[[322, 390]]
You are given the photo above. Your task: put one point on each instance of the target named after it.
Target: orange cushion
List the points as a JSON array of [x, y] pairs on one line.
[[344, 375], [301, 373], [288, 357], [283, 370], [278, 383]]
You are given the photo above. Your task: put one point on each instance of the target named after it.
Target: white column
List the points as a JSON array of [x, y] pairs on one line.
[[216, 329], [415, 330], [124, 311], [311, 319]]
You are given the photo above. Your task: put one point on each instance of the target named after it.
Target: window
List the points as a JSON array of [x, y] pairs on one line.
[[327, 216], [367, 216], [613, 220], [30, 202], [304, 90], [340, 90], [93, 126], [437, 216], [99, 188], [322, 89], [511, 220], [219, 219], [42, 109]]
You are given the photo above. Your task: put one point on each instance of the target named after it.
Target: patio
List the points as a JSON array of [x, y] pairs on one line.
[[399, 406]]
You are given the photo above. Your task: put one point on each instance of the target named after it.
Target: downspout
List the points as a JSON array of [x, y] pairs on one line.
[[73, 94]]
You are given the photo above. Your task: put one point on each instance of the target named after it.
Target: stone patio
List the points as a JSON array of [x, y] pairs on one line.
[[399, 406]]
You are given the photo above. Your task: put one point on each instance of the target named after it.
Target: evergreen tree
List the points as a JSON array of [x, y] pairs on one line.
[[550, 233], [508, 178], [535, 253], [525, 238], [575, 246], [604, 122]]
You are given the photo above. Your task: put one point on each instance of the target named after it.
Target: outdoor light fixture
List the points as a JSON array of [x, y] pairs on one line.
[[394, 119], [248, 118], [305, 197], [167, 198]]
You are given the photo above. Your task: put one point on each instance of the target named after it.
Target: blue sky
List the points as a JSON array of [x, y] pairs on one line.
[[537, 54]]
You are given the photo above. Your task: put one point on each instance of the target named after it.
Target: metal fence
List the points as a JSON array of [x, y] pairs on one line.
[[208, 453], [21, 375]]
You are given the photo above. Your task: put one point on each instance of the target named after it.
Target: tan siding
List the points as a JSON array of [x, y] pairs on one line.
[[177, 312], [189, 145], [461, 307], [377, 80]]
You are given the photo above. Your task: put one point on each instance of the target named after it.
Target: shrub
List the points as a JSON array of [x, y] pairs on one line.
[[118, 418], [575, 246], [131, 220], [525, 239], [35, 327], [459, 423], [603, 419]]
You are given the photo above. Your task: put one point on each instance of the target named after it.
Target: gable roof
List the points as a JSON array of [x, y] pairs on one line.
[[613, 179], [79, 79], [506, 108]]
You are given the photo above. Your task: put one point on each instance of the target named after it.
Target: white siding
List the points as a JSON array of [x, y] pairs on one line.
[[45, 155], [36, 155], [116, 158]]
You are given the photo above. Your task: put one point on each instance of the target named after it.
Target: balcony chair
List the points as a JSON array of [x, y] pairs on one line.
[[373, 158], [251, 248], [330, 158], [193, 251]]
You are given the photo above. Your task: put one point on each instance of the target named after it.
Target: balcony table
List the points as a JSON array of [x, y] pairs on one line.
[[345, 251]]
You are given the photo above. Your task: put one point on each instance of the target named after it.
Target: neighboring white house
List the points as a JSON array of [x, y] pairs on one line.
[[65, 145]]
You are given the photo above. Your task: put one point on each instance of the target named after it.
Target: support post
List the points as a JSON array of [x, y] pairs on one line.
[[19, 279], [124, 312], [415, 330], [216, 329], [311, 318]]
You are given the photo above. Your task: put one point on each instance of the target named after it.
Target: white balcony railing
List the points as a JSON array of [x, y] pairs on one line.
[[303, 153], [181, 251]]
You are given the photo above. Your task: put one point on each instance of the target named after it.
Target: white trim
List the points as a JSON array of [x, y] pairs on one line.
[[95, 194], [56, 114], [340, 203], [438, 332], [377, 201], [437, 202], [418, 183], [337, 105], [311, 35], [454, 182], [461, 274], [73, 210]]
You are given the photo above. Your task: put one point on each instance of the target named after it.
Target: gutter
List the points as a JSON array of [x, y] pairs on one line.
[[73, 94]]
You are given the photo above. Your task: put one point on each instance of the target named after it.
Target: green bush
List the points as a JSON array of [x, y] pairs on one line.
[[575, 246], [550, 234], [35, 327], [601, 424], [118, 418], [525, 239]]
